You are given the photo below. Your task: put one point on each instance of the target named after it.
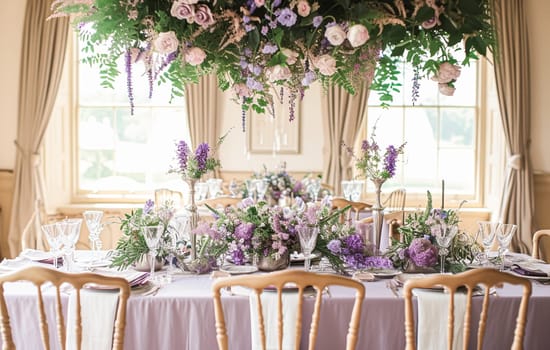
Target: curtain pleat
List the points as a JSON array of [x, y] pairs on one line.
[[42, 59], [512, 80]]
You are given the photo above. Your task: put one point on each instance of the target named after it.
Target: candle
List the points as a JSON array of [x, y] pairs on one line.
[[442, 194]]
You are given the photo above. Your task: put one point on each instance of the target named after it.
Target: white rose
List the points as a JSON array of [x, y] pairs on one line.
[[291, 56], [166, 43], [446, 89], [358, 35], [326, 65], [278, 72], [195, 56], [335, 35]]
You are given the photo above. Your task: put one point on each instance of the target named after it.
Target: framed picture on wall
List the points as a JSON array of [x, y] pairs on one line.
[[274, 133]]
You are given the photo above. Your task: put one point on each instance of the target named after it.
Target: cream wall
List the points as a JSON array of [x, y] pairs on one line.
[[537, 22]]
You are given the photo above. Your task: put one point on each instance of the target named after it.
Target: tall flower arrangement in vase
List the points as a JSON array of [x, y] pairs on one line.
[[192, 166], [378, 165], [257, 47]]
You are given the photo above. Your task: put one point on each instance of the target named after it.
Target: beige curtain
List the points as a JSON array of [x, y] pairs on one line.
[[202, 111], [343, 115], [512, 80], [42, 59]]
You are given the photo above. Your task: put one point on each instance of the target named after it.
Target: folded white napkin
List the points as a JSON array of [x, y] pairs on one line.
[[536, 266], [433, 316], [269, 311], [98, 310]]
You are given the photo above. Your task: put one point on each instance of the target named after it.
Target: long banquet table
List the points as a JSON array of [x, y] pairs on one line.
[[181, 316]]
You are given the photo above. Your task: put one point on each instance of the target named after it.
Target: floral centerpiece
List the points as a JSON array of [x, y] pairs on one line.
[[254, 46], [192, 166], [418, 249], [132, 248], [281, 184]]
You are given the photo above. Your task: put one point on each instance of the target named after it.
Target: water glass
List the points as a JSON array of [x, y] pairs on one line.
[[54, 237], [347, 187], [71, 233], [487, 233], [505, 233], [93, 222], [308, 239], [356, 190], [152, 236], [444, 236]]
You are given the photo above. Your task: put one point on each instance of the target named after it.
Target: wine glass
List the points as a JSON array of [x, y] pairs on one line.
[[346, 189], [356, 189], [504, 234], [71, 233], [261, 188], [314, 188], [487, 233], [308, 239], [234, 188], [178, 235], [93, 222], [152, 238], [444, 236], [214, 187], [53, 236]]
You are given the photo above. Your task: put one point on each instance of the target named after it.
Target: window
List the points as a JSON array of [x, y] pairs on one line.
[[118, 153], [441, 135]]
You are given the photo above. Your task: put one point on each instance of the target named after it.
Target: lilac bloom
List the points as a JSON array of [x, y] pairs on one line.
[[287, 17], [182, 153], [309, 78], [148, 207], [238, 257], [390, 160], [244, 231], [276, 3], [201, 154], [249, 27], [269, 48], [264, 30]]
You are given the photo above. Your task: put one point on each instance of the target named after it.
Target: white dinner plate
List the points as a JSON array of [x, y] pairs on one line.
[[384, 273], [299, 257], [238, 269]]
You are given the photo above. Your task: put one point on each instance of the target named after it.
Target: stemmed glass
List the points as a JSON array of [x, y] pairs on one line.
[[234, 188], [347, 187], [71, 233], [314, 188], [308, 238], [444, 236], [250, 188], [53, 236], [261, 188], [505, 232], [356, 189], [93, 222], [152, 238], [487, 233], [214, 187], [178, 234]]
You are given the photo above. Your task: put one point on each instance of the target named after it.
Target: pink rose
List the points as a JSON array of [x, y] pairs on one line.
[[446, 89], [303, 8], [203, 16], [447, 73], [241, 90], [166, 43], [195, 56], [358, 35], [335, 35], [429, 24], [182, 10], [326, 65], [291, 56], [278, 72], [259, 3]]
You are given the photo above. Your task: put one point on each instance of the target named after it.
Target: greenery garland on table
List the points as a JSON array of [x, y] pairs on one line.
[[256, 47]]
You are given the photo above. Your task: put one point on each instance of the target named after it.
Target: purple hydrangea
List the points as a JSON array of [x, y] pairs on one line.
[[423, 253], [182, 154], [238, 257], [201, 155], [287, 17], [378, 262], [244, 231], [149, 205]]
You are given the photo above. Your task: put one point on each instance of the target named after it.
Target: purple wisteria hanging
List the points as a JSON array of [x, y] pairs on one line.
[[254, 47]]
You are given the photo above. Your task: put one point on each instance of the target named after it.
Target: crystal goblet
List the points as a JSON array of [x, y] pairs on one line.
[[70, 237], [505, 233], [444, 236], [308, 239], [152, 236], [313, 188], [93, 222], [487, 233], [53, 236]]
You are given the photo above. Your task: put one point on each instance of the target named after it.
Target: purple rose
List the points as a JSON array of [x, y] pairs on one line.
[[203, 16], [287, 17], [335, 246]]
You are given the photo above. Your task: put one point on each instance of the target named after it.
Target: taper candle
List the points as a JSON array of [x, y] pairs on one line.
[[442, 194]]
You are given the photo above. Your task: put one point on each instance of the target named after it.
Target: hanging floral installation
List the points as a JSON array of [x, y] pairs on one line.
[[257, 47]]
